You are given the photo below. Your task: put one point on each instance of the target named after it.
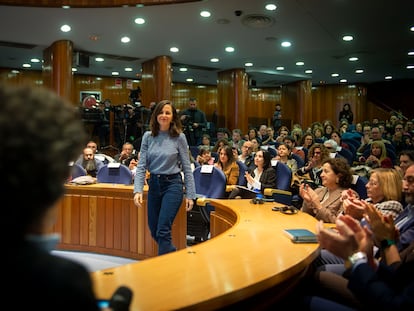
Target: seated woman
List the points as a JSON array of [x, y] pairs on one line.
[[384, 190], [378, 156], [317, 155], [325, 203], [204, 156], [283, 155], [227, 163], [261, 177]]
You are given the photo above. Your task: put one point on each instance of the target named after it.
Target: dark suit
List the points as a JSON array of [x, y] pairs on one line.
[[42, 281], [388, 288], [407, 229]]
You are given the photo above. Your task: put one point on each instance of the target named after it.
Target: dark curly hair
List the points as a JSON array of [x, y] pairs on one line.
[[341, 168]]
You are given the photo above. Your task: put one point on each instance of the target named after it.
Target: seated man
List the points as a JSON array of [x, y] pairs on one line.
[[89, 162]]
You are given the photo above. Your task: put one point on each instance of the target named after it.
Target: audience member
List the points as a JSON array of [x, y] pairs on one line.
[[406, 158], [227, 163], [346, 113], [324, 203], [194, 122], [204, 157], [126, 154], [317, 155], [290, 141], [378, 156], [89, 162], [277, 117], [246, 155], [45, 135], [283, 155], [261, 177]]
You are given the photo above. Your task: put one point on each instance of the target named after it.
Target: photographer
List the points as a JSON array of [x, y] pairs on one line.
[[194, 123]]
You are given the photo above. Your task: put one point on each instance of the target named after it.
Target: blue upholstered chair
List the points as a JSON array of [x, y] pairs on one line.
[[114, 173], [242, 169], [358, 184], [283, 176], [77, 170], [210, 182]]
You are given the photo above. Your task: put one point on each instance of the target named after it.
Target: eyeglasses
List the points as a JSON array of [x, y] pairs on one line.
[[409, 179], [288, 210], [373, 183]]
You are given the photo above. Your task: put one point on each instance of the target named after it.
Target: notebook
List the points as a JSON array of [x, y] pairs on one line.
[[301, 235]]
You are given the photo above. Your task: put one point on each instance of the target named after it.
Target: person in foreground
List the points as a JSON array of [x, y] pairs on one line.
[[373, 285], [164, 153], [42, 138]]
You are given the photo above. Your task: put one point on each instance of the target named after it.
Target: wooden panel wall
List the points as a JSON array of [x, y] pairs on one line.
[[325, 101]]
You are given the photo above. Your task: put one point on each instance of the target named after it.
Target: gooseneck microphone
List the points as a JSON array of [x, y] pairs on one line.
[[121, 299]]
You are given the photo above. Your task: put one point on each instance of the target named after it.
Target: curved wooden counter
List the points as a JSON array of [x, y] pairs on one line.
[[102, 218], [249, 265]]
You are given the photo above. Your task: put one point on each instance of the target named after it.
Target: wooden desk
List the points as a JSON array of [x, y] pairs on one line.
[[102, 218], [250, 264]]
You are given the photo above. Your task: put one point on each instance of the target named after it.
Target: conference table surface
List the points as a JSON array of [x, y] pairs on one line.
[[252, 256]]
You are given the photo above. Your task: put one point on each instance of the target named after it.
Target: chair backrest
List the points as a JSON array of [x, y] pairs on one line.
[[114, 173], [358, 184], [242, 169], [283, 176], [298, 159], [77, 170], [210, 184], [347, 154], [194, 151]]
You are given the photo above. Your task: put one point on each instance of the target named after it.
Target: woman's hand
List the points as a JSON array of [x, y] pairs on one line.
[[189, 203], [354, 208], [138, 199]]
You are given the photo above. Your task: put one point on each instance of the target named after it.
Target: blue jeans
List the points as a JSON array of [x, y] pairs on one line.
[[165, 195]]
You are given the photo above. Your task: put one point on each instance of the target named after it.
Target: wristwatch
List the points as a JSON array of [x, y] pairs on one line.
[[386, 243], [358, 257]]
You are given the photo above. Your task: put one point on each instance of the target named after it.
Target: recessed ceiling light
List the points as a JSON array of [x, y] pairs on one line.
[[353, 59], [308, 71], [410, 67], [115, 73], [359, 71], [286, 44], [205, 13], [183, 69], [300, 63], [334, 75], [35, 60], [74, 69], [214, 60], [229, 49], [280, 68], [128, 69], [65, 28], [174, 49], [270, 7], [125, 39], [27, 65], [189, 79], [139, 21], [347, 38], [388, 77], [99, 59], [248, 64], [411, 53], [343, 81]]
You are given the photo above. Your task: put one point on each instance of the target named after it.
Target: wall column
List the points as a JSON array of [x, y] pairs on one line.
[[232, 95], [156, 79], [57, 68]]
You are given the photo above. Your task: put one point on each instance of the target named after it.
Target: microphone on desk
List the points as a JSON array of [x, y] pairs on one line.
[[121, 299]]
